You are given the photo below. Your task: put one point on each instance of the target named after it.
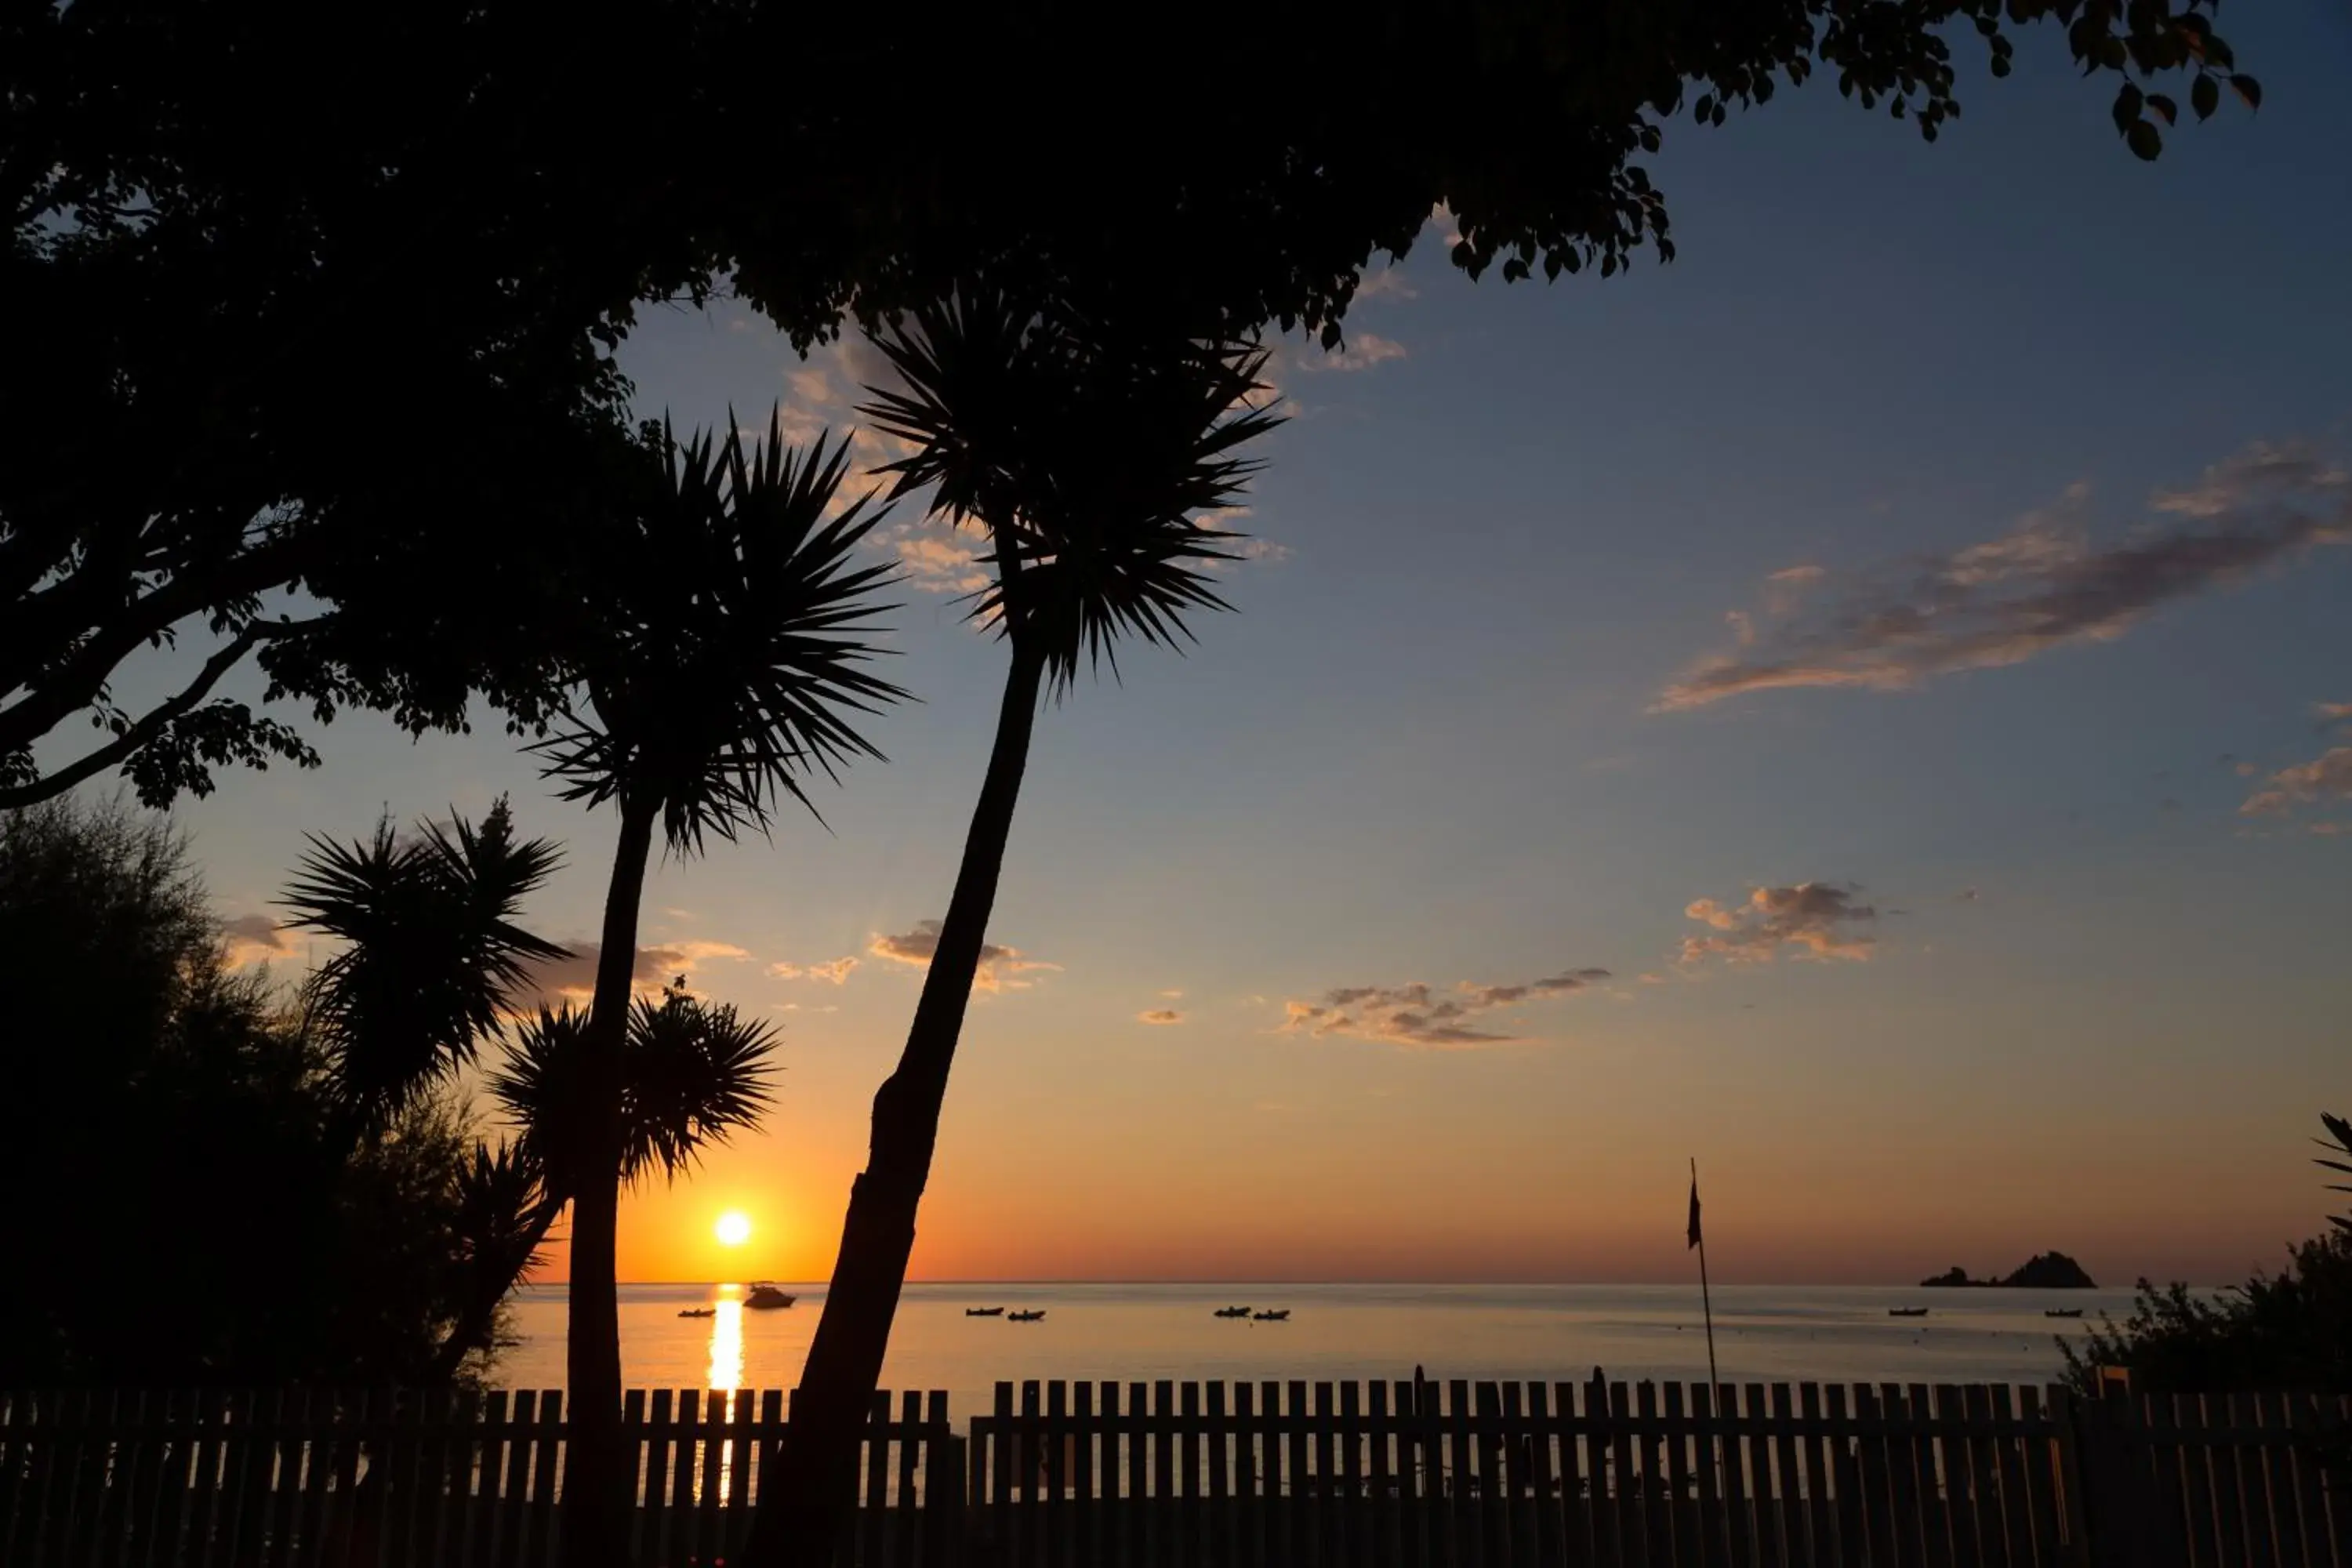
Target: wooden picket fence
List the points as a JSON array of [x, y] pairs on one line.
[[1241, 1475]]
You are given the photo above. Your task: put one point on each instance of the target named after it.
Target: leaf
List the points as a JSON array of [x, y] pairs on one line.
[[2127, 108], [2145, 140], [2204, 97], [2248, 89], [2165, 106]]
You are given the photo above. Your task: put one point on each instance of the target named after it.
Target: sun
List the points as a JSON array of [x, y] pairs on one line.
[[733, 1229]]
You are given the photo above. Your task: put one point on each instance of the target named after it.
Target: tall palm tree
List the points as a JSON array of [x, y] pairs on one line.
[[724, 666], [1084, 450]]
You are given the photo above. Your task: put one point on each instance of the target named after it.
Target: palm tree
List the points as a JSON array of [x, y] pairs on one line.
[[724, 665], [431, 952], [1083, 448], [433, 963]]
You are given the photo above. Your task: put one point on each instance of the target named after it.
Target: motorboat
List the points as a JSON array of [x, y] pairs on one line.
[[1279, 1315], [766, 1298], [1231, 1313], [984, 1311], [2064, 1312], [1906, 1312], [699, 1312], [1024, 1316]]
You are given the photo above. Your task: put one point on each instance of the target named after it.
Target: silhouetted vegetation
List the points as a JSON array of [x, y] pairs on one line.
[[2292, 1329], [242, 1182], [209, 209], [185, 1202], [1081, 448], [725, 662]]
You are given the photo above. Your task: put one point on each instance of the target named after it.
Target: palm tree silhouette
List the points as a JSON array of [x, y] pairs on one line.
[[1082, 446], [724, 662], [433, 963]]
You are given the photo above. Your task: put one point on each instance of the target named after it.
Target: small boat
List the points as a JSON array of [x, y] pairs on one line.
[[1906, 1312], [1024, 1316], [1279, 1315], [984, 1311], [2064, 1312], [766, 1298], [1231, 1313], [699, 1312]]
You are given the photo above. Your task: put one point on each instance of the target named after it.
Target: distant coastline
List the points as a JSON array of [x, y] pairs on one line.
[[2042, 1271]]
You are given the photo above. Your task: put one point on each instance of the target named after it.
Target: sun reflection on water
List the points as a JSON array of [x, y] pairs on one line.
[[726, 1374]]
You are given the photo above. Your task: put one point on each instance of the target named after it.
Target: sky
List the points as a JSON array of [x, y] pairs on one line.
[[1867, 706]]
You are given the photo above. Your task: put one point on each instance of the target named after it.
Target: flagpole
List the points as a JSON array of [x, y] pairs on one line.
[[1706, 1303]]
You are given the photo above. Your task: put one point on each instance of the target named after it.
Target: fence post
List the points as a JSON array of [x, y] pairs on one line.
[[2127, 1526]]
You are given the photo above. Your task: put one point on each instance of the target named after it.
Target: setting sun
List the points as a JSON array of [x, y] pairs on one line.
[[733, 1229]]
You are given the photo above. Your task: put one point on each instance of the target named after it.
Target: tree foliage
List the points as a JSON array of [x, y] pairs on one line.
[[2292, 1329], [201, 1216], [315, 365]]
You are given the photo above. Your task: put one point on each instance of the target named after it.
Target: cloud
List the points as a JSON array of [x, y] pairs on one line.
[[2330, 713], [1361, 350], [999, 966], [2042, 586], [1820, 919], [937, 562], [1965, 896], [2326, 778], [255, 939], [1173, 994], [1422, 1017], [1160, 1016], [575, 978], [1388, 283], [833, 971]]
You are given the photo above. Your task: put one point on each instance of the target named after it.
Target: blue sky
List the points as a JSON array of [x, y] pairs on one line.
[[1428, 750]]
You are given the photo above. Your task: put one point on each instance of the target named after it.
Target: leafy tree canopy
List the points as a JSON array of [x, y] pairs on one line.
[[311, 327]]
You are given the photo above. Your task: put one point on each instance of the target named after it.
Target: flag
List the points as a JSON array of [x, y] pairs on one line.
[[1694, 1219]]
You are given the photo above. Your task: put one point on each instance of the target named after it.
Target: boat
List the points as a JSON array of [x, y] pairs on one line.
[[699, 1312], [1906, 1312], [2064, 1312], [766, 1298], [1024, 1316], [1279, 1315], [1231, 1313], [984, 1311]]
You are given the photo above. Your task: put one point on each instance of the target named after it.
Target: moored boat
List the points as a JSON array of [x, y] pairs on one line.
[[766, 1298]]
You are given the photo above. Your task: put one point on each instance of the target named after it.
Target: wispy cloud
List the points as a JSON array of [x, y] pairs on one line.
[[1819, 920], [575, 977], [1423, 1018], [1388, 283], [999, 967], [1162, 1015], [1360, 351], [255, 939], [2042, 586], [833, 970]]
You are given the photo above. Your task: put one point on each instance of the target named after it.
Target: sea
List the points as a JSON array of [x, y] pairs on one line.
[[1334, 1333]]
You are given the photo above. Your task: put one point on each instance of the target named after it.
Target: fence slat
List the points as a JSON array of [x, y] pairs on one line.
[[1188, 1530], [2296, 1418], [1797, 1533], [1248, 1479], [1738, 1520]]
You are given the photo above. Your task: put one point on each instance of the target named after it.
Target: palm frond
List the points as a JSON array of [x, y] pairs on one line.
[[694, 1074], [2337, 1141], [432, 949], [1088, 449], [540, 1085], [739, 626]]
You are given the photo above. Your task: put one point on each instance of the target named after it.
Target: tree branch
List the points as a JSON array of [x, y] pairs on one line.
[[76, 682], [152, 724]]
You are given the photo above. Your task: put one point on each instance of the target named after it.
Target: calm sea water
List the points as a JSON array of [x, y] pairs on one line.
[[1144, 1332]]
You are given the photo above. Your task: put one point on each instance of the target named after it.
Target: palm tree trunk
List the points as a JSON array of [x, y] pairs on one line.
[[798, 1524], [598, 1509]]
